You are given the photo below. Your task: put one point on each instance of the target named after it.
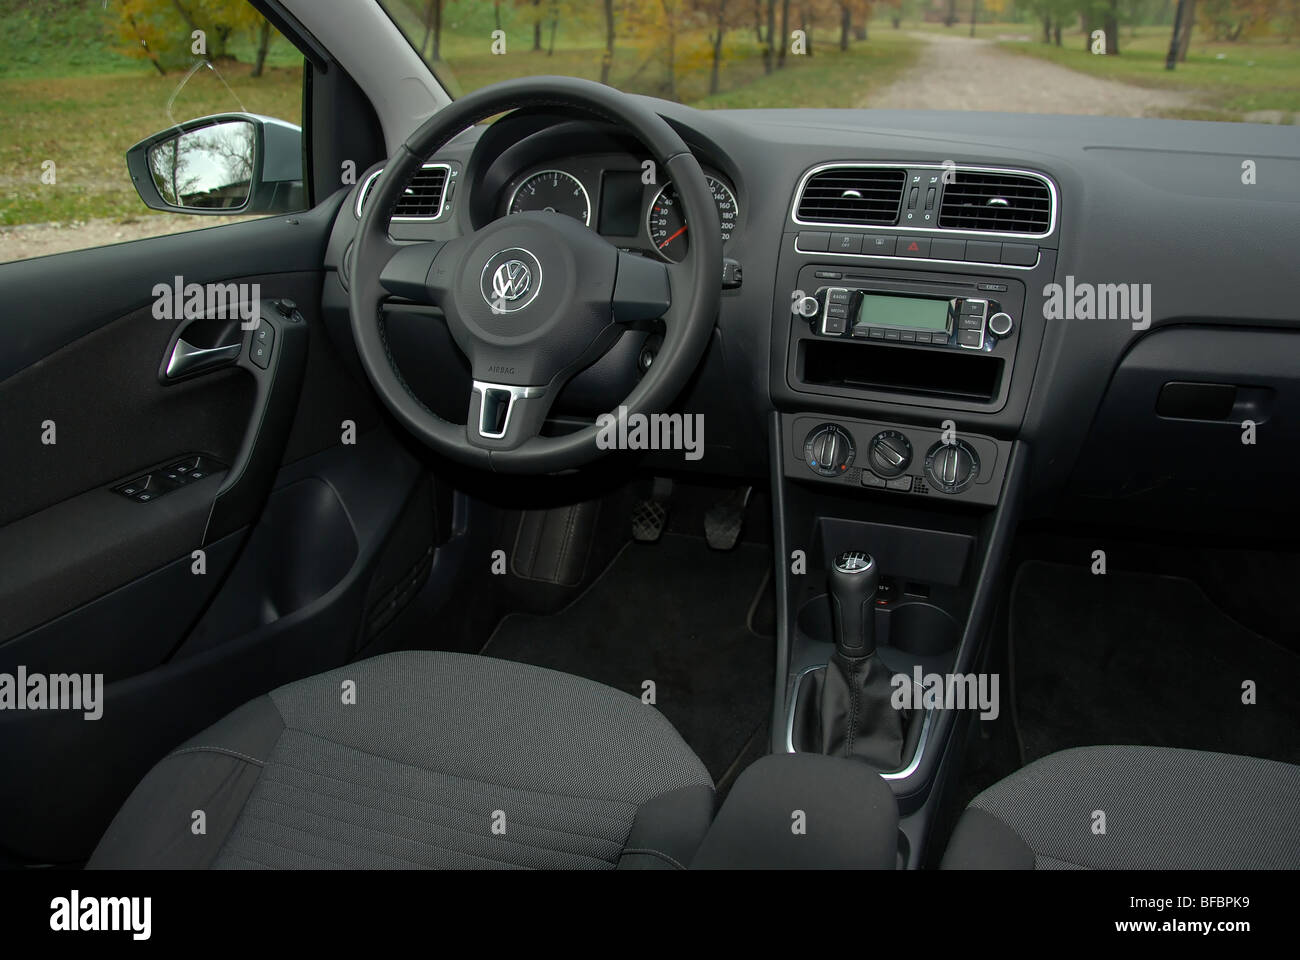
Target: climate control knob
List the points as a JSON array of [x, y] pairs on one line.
[[829, 450], [952, 467], [889, 454]]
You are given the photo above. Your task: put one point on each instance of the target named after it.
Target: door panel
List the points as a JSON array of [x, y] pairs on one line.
[[282, 612], [93, 581], [52, 301]]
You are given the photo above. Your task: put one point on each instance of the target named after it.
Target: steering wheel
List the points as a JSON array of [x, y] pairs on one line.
[[533, 298]]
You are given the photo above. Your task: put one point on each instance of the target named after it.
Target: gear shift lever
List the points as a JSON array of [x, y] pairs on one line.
[[856, 715], [854, 578]]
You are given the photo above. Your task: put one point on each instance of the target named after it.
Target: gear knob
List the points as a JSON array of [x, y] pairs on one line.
[[853, 579]]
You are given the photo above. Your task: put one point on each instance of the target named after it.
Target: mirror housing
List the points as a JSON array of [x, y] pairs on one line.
[[233, 163]]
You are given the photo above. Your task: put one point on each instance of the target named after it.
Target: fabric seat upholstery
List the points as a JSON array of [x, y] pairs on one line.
[[1164, 809], [443, 761]]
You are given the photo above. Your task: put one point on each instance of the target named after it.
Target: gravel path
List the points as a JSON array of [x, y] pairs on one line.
[[956, 72], [41, 239], [953, 72]]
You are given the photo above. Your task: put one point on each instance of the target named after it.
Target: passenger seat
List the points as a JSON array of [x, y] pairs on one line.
[[1134, 808]]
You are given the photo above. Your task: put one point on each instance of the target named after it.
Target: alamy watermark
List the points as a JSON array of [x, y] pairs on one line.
[[221, 301], [1098, 301], [946, 691], [76, 914], [82, 692], [654, 431]]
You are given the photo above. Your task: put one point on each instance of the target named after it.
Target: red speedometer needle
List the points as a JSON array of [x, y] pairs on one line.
[[672, 238]]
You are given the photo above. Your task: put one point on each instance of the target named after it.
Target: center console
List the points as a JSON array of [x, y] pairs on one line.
[[902, 357]]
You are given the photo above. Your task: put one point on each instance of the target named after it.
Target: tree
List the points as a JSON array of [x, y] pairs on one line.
[[432, 30], [162, 31], [1175, 35], [607, 60], [263, 46], [139, 34], [1231, 20], [717, 13], [769, 52], [785, 34], [1185, 37]]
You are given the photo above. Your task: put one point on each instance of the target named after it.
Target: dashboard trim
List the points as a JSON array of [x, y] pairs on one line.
[[888, 259], [367, 183], [904, 165]]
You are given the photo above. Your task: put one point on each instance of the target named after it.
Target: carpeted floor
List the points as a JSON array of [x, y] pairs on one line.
[[677, 613], [1143, 659]]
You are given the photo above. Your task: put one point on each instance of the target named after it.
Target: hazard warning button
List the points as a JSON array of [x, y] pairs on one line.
[[912, 247]]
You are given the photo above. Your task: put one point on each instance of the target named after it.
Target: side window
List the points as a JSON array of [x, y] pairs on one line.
[[208, 91]]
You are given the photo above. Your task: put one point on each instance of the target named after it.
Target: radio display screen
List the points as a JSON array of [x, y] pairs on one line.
[[916, 313]]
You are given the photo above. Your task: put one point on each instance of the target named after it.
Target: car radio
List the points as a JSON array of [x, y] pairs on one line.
[[968, 323]]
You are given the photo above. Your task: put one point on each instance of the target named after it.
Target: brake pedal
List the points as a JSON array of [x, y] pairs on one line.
[[650, 516], [726, 518]]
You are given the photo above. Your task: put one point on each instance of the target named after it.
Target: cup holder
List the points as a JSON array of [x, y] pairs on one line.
[[921, 628], [913, 626]]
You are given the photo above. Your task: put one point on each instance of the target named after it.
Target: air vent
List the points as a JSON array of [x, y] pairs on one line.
[[996, 202], [856, 195], [422, 198]]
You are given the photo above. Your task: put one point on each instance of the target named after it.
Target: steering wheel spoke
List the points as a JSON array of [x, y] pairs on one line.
[[503, 416], [421, 272], [642, 290]]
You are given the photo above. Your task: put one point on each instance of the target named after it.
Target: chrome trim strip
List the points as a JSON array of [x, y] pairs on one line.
[[883, 259], [369, 181], [861, 165], [902, 774], [481, 387]]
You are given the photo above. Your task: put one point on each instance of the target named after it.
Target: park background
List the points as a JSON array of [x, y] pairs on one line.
[[82, 80]]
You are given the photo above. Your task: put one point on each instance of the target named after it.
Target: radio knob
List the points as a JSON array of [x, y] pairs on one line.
[[889, 454], [829, 450], [807, 307], [1000, 324], [951, 467]]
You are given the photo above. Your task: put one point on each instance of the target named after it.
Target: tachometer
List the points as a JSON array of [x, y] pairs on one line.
[[667, 226], [552, 190]]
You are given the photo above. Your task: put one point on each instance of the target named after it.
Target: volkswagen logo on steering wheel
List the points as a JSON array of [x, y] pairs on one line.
[[511, 280]]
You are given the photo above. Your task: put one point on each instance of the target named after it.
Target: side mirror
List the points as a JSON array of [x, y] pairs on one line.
[[222, 164]]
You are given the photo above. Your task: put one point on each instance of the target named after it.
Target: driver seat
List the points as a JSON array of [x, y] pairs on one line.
[[423, 760]]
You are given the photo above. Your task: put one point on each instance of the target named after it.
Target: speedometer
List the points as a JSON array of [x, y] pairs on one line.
[[667, 226], [555, 191]]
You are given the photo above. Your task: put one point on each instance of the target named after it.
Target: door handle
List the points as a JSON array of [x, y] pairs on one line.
[[187, 359]]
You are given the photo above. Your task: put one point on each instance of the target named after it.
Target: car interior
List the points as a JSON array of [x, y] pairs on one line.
[[593, 481]]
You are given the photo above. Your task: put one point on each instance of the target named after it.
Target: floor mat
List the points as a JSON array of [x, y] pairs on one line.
[[1143, 659], [674, 612]]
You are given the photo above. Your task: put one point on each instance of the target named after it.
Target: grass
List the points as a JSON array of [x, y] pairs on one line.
[[828, 78], [86, 123], [84, 110], [1227, 79]]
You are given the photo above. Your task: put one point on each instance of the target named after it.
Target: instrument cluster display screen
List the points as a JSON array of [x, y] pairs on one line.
[[915, 313]]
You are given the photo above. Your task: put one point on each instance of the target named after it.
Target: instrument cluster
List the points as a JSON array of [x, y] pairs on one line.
[[621, 198]]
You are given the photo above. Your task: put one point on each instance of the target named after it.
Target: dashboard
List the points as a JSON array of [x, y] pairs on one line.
[[621, 197], [1156, 204]]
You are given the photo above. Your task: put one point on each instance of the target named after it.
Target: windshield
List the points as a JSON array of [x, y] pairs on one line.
[[1190, 59]]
